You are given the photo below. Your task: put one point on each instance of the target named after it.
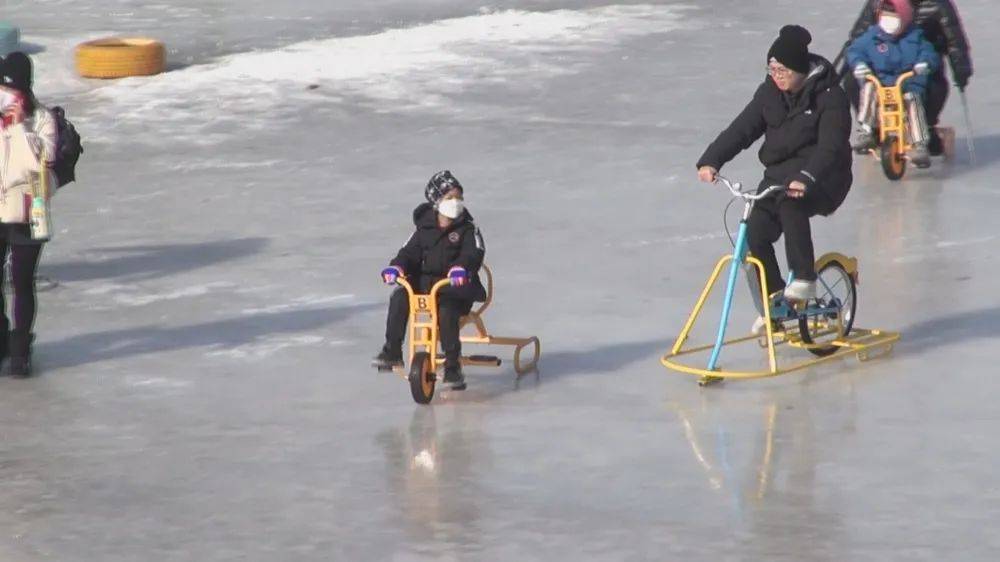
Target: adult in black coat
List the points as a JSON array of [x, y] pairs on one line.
[[943, 28], [805, 120], [446, 244]]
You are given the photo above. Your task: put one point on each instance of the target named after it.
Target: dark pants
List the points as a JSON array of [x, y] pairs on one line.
[[934, 98], [770, 218], [24, 255], [450, 312]]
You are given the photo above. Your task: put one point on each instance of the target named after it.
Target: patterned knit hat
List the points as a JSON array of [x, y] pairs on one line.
[[440, 184]]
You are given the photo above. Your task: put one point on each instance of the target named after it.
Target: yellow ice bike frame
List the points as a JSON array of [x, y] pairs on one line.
[[825, 329], [424, 359], [893, 140], [483, 336]]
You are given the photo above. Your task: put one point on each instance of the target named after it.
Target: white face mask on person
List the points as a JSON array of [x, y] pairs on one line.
[[890, 23], [451, 208]]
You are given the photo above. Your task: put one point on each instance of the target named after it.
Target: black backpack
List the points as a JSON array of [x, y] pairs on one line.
[[68, 149]]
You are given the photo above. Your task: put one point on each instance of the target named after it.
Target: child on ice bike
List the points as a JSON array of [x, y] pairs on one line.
[[446, 244], [888, 49]]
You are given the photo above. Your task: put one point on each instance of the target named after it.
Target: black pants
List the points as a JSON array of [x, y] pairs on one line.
[[450, 312], [770, 218], [934, 98], [23, 264]]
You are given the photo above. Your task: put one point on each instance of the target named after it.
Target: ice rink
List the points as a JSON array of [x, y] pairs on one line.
[[211, 298]]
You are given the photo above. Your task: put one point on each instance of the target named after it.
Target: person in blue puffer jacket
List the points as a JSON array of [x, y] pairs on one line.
[[888, 49]]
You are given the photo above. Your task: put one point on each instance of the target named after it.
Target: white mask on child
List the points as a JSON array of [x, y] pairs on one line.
[[890, 23], [451, 208]]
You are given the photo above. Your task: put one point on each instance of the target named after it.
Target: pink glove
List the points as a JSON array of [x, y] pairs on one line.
[[11, 107]]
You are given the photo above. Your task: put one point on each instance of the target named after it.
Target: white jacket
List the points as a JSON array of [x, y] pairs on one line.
[[21, 149]]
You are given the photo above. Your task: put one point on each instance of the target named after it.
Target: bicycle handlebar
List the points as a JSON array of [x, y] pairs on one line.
[[402, 282], [736, 189], [899, 81]]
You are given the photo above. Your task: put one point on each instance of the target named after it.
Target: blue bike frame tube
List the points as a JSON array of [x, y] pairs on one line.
[[739, 252]]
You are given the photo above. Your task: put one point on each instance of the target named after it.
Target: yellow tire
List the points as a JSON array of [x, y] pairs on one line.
[[118, 57]]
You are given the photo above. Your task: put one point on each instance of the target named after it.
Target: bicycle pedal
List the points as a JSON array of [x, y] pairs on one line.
[[799, 306]]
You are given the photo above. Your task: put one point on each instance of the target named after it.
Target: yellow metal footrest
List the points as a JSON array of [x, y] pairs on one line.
[[519, 345], [865, 344], [476, 360]]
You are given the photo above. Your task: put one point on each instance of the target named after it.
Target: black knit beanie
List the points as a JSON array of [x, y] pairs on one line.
[[17, 69], [791, 48]]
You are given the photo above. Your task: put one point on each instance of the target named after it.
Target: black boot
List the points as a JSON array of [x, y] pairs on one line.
[[453, 375], [20, 353], [935, 146], [387, 360], [4, 337]]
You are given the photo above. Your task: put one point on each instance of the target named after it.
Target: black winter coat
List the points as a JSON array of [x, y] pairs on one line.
[[806, 136], [431, 252], [941, 25]]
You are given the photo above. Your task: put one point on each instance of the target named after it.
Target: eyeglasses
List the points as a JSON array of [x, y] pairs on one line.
[[778, 72]]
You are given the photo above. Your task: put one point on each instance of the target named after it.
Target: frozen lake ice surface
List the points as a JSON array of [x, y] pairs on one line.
[[203, 388]]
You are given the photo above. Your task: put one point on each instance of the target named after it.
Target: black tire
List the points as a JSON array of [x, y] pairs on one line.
[[893, 162], [422, 378], [833, 282]]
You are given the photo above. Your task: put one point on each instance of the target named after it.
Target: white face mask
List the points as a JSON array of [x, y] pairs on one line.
[[890, 23], [451, 208]]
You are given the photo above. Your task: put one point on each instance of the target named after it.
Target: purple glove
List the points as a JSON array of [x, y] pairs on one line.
[[458, 276], [390, 274]]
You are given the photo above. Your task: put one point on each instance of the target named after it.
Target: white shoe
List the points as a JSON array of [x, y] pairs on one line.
[[864, 142], [919, 155], [800, 290]]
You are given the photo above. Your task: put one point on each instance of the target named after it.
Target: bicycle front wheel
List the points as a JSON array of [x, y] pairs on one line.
[[830, 316], [893, 160], [422, 378]]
